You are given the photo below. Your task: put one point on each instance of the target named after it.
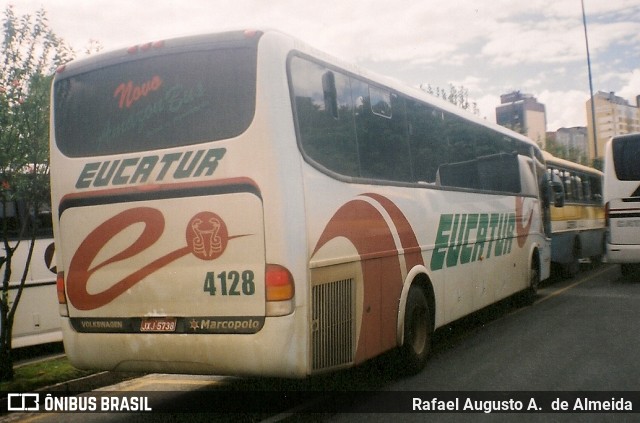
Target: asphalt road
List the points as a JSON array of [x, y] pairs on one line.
[[580, 335]]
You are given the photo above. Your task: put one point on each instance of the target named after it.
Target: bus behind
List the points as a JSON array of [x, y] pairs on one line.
[[622, 201]]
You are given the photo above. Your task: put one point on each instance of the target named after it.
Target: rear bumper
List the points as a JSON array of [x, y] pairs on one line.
[[278, 349], [618, 253]]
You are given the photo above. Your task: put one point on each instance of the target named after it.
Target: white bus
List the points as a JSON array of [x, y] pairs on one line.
[[37, 320], [242, 204], [578, 231], [622, 200]]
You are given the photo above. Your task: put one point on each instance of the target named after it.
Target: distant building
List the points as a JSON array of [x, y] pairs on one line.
[[614, 116], [573, 142], [522, 113]]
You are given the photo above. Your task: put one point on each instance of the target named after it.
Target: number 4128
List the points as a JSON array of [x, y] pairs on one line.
[[230, 283]]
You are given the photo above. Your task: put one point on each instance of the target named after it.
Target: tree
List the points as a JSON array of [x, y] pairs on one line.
[[572, 154], [29, 55], [458, 96]]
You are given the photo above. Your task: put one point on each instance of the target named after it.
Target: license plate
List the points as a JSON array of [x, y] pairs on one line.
[[158, 324]]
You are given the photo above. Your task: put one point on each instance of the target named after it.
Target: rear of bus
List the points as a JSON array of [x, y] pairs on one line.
[[173, 165], [622, 200]]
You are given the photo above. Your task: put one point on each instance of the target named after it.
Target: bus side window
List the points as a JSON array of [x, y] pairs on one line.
[[557, 188], [381, 131], [20, 220], [428, 150], [9, 216], [576, 182], [586, 188], [568, 191], [330, 94], [596, 189], [324, 113], [380, 102], [44, 223]]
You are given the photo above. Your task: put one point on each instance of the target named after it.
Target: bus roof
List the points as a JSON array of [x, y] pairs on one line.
[[203, 40], [550, 158]]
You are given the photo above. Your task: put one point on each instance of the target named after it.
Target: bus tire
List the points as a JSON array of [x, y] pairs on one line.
[[570, 269], [530, 294], [628, 269], [418, 330]]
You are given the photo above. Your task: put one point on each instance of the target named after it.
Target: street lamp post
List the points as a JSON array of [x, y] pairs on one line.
[[593, 107]]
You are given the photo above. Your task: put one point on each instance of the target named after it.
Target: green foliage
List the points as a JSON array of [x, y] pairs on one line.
[[30, 52], [34, 376], [572, 154], [458, 96], [598, 163]]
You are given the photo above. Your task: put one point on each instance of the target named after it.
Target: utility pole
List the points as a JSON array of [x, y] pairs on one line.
[[593, 107]]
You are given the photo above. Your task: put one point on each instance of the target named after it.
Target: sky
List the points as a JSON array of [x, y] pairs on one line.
[[490, 47]]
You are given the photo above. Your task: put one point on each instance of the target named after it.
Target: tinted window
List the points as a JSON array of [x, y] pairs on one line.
[[381, 133], [355, 128], [626, 158], [429, 149], [578, 186], [21, 221], [595, 188], [157, 102], [325, 116]]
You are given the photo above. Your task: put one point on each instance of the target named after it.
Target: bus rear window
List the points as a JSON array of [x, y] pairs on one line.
[[158, 102], [625, 158]]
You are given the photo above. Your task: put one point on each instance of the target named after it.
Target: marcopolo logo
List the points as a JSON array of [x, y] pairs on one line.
[[226, 325]]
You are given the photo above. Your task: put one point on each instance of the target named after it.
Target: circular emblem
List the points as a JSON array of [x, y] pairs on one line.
[[207, 236]]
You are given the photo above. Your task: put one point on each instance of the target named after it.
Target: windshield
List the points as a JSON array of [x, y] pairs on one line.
[[625, 158], [158, 102]]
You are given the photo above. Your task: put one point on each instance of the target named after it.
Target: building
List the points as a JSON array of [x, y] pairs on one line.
[[574, 142], [614, 116], [522, 113]]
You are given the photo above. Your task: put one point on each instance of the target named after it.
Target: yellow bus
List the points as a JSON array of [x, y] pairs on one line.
[[578, 229], [243, 204]]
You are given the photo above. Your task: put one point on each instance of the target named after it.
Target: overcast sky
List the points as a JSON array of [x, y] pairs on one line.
[[491, 47]]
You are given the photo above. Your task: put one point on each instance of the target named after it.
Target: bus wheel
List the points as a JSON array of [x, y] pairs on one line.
[[530, 294], [572, 268], [628, 269], [417, 332]]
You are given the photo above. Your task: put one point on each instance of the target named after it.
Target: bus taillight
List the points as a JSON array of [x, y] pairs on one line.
[[280, 290], [62, 296], [145, 47], [606, 215]]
